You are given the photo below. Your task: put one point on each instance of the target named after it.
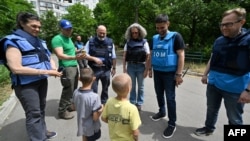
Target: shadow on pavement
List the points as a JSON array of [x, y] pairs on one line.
[[52, 108], [15, 130], [156, 128]]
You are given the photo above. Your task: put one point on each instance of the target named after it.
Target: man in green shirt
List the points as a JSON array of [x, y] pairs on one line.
[[65, 51]]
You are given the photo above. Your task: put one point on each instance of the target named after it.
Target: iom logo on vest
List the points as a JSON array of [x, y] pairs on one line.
[[160, 53], [239, 132]]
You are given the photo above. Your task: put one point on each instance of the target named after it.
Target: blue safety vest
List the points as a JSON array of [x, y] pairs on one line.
[[101, 49], [163, 56], [32, 57], [232, 55], [79, 45]]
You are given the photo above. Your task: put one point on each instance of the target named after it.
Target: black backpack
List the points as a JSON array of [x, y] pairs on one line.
[[2, 52]]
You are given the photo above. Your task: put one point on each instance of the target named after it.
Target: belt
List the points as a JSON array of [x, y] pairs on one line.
[[72, 66], [133, 62], [96, 65]]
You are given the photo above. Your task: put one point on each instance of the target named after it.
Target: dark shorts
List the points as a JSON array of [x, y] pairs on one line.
[[94, 137]]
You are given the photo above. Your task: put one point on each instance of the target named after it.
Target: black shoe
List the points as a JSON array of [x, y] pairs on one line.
[[157, 116], [169, 132], [138, 107], [203, 131], [51, 134]]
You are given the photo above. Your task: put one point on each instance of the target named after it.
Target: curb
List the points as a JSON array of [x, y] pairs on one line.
[[7, 108]]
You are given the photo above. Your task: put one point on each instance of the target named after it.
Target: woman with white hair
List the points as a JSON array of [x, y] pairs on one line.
[[135, 60]]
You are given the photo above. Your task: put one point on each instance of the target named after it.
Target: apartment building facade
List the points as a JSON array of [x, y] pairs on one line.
[[59, 7]]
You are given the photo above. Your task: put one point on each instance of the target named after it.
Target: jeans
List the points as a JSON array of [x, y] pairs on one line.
[[135, 71], [33, 99], [234, 109], [103, 74], [69, 81], [82, 63], [164, 83]]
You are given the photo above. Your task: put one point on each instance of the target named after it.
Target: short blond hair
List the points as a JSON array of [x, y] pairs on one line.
[[240, 12], [121, 84]]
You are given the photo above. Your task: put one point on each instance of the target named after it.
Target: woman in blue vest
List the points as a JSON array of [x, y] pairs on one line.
[[135, 60], [30, 64]]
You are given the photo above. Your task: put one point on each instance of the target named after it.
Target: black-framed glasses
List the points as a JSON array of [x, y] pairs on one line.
[[229, 24]]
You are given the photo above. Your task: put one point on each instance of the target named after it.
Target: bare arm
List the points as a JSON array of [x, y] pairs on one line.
[[14, 59], [180, 65], [113, 71], [136, 134], [146, 66], [181, 58], [149, 66], [124, 63], [60, 54], [204, 76], [97, 114]]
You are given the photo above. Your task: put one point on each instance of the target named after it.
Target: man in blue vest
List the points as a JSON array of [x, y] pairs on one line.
[[78, 43], [80, 49], [227, 74], [101, 58], [167, 60]]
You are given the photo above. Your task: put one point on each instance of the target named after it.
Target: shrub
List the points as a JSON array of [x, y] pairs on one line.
[[4, 75]]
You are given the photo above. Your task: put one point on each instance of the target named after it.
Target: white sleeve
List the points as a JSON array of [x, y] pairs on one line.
[[125, 47], [113, 52], [146, 47], [87, 48]]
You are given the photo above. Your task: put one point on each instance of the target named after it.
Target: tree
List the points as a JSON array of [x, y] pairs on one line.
[[118, 15], [8, 12], [82, 19], [49, 27]]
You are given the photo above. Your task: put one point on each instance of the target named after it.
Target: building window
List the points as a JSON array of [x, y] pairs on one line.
[[56, 6], [42, 4], [33, 3]]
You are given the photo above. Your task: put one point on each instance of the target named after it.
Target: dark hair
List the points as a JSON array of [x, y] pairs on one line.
[[161, 18], [23, 17]]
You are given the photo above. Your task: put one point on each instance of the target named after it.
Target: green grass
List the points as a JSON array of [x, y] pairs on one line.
[[5, 92], [5, 87], [195, 67]]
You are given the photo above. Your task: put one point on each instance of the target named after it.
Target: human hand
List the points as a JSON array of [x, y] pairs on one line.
[[150, 73], [244, 97], [55, 73], [113, 72], [204, 79], [98, 61], [178, 80], [145, 73]]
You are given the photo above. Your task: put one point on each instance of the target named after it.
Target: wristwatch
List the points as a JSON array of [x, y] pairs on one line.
[[247, 90], [178, 74]]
